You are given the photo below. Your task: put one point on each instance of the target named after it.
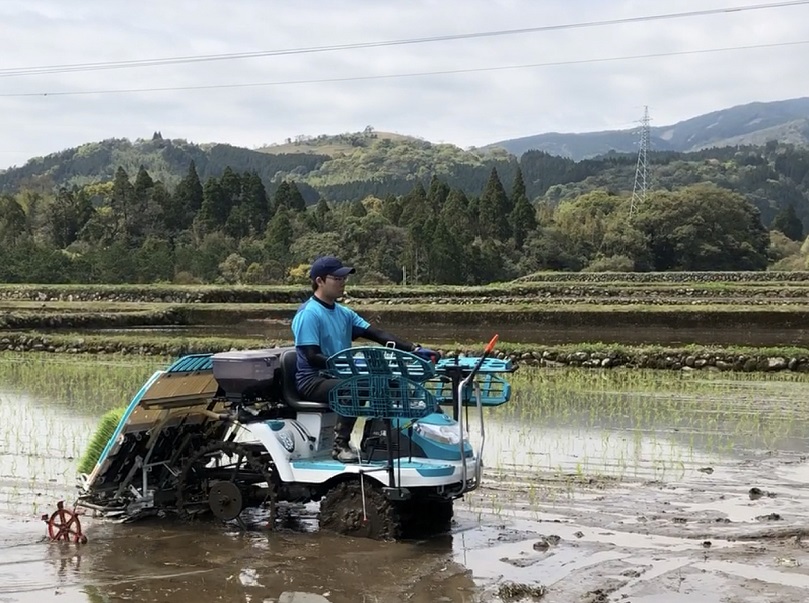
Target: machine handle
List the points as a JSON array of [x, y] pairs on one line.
[[490, 345], [486, 351]]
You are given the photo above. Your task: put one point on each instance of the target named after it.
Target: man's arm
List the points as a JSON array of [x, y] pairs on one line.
[[383, 338], [314, 356]]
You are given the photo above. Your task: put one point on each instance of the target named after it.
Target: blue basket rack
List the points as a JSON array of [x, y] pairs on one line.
[[381, 382], [494, 389], [391, 384]]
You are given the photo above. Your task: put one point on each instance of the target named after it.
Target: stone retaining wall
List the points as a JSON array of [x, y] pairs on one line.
[[549, 285], [667, 360], [93, 320], [760, 317], [669, 277], [546, 357]]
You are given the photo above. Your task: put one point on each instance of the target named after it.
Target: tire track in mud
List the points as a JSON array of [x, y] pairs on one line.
[[737, 530]]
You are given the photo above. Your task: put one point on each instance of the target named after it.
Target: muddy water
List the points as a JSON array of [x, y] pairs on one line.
[[600, 487]]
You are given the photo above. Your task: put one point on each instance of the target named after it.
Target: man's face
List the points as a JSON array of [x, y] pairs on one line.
[[333, 286]]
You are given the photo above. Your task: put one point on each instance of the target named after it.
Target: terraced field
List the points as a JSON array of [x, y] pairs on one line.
[[732, 312]]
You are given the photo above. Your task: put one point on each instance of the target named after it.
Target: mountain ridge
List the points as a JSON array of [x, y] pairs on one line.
[[748, 124], [355, 165]]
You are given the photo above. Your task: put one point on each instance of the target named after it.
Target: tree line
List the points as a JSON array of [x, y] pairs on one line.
[[230, 229]]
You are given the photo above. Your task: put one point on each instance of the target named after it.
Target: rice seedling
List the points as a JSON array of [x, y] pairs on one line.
[[51, 406], [568, 427], [99, 439], [86, 384]]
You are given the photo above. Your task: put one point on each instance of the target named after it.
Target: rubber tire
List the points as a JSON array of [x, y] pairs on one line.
[[341, 512]]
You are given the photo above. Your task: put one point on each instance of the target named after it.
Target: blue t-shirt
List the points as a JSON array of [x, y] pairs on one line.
[[331, 328]]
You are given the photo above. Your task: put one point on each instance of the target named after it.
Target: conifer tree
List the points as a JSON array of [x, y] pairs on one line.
[[788, 222], [447, 261], [231, 184], [494, 210], [12, 221], [121, 203], [392, 209], [523, 215], [69, 212], [278, 238], [438, 193], [322, 215], [254, 199], [143, 184], [518, 188], [188, 197], [289, 196], [141, 215], [357, 209], [415, 207], [298, 202], [456, 215], [215, 207]]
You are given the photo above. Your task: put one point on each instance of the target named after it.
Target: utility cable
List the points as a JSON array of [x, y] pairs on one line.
[[403, 75], [80, 67]]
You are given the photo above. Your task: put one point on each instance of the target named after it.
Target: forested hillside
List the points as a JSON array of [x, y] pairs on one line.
[[360, 164], [397, 210], [165, 160]]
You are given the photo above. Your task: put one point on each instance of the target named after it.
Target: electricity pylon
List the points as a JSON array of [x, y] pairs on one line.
[[639, 188]]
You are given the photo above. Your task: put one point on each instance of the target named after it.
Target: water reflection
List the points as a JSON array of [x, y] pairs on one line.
[[159, 562]]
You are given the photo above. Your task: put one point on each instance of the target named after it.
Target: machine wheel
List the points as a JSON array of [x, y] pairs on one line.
[[225, 478], [64, 525], [341, 511]]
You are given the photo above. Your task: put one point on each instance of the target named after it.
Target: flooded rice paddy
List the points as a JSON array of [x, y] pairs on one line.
[[465, 333], [649, 487]]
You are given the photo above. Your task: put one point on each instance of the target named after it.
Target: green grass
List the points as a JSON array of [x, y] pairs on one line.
[[301, 290], [149, 350], [173, 345]]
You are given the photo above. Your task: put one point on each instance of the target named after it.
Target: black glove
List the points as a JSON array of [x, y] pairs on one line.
[[427, 354]]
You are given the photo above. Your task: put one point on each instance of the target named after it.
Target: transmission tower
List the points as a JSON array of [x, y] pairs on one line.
[[639, 188]]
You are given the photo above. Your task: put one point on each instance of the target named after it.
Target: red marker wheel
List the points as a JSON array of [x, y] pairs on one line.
[[64, 525]]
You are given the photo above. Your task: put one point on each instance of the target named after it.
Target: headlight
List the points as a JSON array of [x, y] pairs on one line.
[[444, 434]]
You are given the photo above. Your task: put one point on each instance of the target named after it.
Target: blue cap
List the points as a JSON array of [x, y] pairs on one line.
[[329, 265]]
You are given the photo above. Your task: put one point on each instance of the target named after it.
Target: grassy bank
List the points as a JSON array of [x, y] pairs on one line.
[[695, 285], [99, 315], [586, 355]]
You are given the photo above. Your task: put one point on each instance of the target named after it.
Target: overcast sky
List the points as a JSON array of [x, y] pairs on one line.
[[584, 93]]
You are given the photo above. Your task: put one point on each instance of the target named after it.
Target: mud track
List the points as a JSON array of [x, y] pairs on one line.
[[732, 535]]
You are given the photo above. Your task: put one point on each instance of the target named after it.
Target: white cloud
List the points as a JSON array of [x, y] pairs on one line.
[[463, 108]]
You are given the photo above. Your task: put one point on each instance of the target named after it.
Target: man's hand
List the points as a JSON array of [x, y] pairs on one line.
[[427, 354]]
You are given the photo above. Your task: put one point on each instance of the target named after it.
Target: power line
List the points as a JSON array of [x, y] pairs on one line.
[[403, 75], [79, 67]]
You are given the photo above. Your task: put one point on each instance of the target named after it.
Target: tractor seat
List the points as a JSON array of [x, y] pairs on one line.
[[289, 366]]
